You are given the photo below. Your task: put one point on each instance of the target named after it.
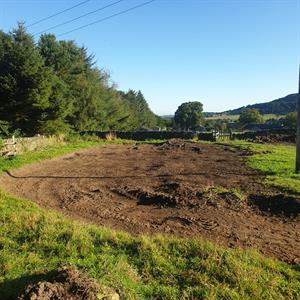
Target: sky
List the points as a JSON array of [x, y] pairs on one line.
[[223, 53]]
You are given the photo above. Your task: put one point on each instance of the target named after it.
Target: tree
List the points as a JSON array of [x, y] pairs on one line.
[[141, 113], [54, 87], [189, 115], [25, 82], [290, 121], [73, 96], [250, 116]]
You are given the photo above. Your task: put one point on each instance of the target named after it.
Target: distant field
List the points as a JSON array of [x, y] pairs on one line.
[[236, 117]]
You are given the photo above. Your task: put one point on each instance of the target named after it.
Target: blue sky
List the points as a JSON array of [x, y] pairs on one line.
[[223, 53]]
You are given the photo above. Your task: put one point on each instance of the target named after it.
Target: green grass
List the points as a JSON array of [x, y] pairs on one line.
[[33, 239], [272, 116], [51, 152], [233, 118], [276, 161], [54, 151]]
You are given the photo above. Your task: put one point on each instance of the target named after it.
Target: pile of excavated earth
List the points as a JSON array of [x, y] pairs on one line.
[[67, 283]]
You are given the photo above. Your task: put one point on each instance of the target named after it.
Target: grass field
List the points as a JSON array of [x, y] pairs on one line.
[[32, 239], [276, 161], [233, 118]]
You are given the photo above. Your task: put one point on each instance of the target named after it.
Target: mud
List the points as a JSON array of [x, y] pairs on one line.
[[67, 283], [170, 188]]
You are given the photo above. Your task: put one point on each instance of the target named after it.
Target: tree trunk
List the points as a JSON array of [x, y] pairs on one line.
[[298, 130]]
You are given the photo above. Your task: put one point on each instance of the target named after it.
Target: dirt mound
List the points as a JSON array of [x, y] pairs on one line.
[[167, 195], [177, 195], [177, 187], [144, 197], [67, 283], [176, 144], [170, 145]]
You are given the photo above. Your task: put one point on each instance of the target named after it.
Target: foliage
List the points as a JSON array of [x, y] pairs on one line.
[[250, 116], [25, 82], [4, 128], [290, 121], [142, 115], [189, 115], [159, 267], [53, 87]]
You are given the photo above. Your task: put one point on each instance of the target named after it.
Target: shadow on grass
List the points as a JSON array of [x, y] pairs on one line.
[[11, 289]]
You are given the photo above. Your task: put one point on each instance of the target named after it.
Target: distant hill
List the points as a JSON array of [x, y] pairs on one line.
[[167, 117], [281, 106]]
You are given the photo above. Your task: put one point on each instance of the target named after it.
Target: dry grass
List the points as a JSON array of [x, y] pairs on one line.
[[111, 136]]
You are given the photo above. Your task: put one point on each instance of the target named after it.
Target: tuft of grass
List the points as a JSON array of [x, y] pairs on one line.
[[236, 193], [276, 161]]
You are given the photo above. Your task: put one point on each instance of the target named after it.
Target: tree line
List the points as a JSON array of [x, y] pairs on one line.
[[53, 86]]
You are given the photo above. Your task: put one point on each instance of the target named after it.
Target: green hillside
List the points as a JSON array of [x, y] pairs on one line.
[[281, 106]]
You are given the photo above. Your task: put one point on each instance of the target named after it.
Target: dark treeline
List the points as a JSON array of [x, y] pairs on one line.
[[53, 87]]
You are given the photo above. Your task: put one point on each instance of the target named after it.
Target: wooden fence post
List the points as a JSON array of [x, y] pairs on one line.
[[298, 129]]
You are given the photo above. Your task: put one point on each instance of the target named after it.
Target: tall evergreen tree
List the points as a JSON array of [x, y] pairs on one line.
[[54, 87], [25, 82], [139, 106]]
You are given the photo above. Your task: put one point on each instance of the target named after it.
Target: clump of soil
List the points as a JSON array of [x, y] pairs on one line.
[[171, 145], [160, 199], [67, 283], [146, 197]]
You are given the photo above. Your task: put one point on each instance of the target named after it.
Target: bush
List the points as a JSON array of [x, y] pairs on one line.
[[251, 116], [290, 121]]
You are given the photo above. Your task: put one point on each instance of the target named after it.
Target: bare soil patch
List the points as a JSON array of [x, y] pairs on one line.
[[167, 188]]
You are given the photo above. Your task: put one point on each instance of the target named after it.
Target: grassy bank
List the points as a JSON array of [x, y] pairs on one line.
[[32, 240], [62, 147], [276, 161]]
